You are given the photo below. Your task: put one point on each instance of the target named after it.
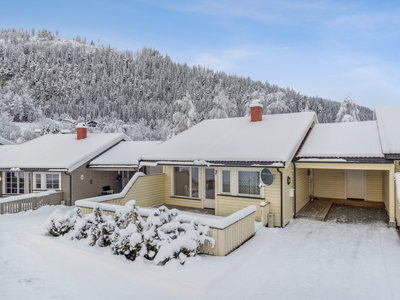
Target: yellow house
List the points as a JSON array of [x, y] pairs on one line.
[[228, 164]]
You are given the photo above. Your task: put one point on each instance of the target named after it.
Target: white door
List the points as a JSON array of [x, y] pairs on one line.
[[209, 186], [356, 184]]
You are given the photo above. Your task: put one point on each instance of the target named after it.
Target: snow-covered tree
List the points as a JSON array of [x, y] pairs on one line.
[[348, 112], [185, 115], [277, 104], [222, 107]]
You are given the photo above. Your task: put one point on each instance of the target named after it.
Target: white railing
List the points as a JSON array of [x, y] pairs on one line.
[[229, 232], [25, 202]]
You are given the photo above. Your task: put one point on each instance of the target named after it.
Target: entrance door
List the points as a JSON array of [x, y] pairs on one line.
[[125, 178], [209, 195], [356, 184]]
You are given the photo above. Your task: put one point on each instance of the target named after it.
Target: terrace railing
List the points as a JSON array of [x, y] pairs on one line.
[[33, 201]]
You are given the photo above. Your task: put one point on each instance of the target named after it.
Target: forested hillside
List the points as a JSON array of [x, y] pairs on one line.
[[79, 80]]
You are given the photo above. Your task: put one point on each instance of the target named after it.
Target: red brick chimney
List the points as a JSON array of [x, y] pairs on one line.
[[81, 131], [256, 111]]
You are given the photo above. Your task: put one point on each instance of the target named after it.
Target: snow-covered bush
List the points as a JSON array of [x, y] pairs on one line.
[[82, 227], [59, 224], [181, 240], [102, 228], [161, 238]]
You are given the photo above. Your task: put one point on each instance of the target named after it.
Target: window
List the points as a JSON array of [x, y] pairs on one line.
[[249, 182], [15, 183], [52, 181], [186, 181], [38, 181], [226, 181]]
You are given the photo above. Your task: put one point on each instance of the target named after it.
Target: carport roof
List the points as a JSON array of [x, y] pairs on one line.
[[343, 140], [388, 124]]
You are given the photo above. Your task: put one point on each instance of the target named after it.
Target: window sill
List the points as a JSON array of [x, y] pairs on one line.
[[242, 196], [186, 198]]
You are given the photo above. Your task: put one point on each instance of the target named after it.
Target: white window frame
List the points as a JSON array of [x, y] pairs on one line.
[[26, 183], [190, 182], [44, 182], [231, 175], [235, 182]]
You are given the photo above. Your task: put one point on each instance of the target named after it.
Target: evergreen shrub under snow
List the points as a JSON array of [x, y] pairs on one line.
[[160, 238]]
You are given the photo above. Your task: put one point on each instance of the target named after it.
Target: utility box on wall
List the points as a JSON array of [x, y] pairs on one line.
[[271, 219]]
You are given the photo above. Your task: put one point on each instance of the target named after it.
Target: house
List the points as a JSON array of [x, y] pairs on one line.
[[3, 141], [219, 164], [58, 162], [388, 121]]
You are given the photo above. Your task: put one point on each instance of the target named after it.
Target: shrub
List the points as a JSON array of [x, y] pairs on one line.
[[161, 238], [59, 224]]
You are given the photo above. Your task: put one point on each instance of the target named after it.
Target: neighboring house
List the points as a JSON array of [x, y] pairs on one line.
[[59, 162], [124, 158], [218, 164], [344, 161], [388, 121], [5, 142]]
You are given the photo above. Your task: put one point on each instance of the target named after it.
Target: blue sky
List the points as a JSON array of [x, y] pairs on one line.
[[332, 49]]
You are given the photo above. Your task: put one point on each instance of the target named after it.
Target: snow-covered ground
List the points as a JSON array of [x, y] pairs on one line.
[[306, 260]]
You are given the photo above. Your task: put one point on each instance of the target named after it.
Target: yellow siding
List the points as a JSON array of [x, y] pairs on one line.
[[176, 200], [302, 188], [147, 191], [329, 183], [385, 188], [288, 202], [226, 205], [374, 185]]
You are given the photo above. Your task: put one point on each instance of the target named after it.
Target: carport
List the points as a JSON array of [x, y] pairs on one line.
[[328, 183], [343, 163]]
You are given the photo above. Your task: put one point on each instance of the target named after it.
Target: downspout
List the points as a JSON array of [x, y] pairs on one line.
[[295, 201], [281, 197], [70, 188]]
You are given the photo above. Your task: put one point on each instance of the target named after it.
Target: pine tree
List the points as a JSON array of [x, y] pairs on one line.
[[185, 115], [348, 112], [222, 107]]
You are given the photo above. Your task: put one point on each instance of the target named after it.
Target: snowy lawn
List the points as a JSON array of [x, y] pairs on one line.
[[306, 260]]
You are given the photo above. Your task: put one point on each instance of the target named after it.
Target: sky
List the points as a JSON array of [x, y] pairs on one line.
[[333, 49]]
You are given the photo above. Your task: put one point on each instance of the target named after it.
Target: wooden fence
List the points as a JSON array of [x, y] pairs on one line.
[[33, 201]]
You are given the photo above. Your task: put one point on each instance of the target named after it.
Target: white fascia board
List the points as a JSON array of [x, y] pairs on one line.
[[289, 161]]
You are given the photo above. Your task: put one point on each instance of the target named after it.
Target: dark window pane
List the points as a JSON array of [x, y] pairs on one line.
[[249, 182], [195, 182], [181, 181], [226, 181]]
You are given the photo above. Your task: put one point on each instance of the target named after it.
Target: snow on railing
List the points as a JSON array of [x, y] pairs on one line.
[[24, 202], [217, 222]]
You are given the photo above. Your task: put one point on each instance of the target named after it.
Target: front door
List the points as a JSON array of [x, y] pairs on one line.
[[125, 178], [209, 195], [356, 184]]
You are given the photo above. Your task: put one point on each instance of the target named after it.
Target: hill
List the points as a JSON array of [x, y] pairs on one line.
[[79, 80]]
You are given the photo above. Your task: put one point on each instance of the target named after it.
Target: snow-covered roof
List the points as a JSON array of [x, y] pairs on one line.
[[3, 141], [388, 118], [124, 154], [354, 139], [58, 151], [274, 139]]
